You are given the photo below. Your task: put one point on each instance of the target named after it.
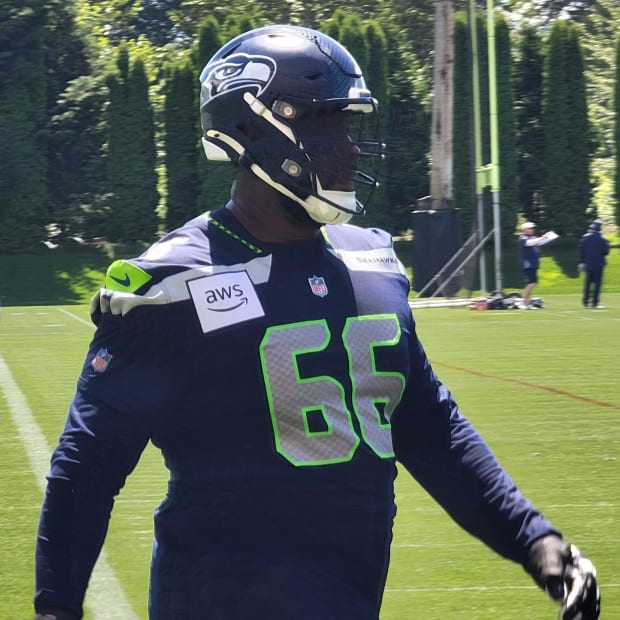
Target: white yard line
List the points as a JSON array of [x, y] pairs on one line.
[[480, 588], [77, 318], [462, 589], [105, 598]]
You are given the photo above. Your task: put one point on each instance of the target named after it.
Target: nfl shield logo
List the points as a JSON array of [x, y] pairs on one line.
[[101, 360], [318, 286]]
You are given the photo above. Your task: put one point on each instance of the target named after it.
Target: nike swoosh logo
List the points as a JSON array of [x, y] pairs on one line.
[[123, 282]]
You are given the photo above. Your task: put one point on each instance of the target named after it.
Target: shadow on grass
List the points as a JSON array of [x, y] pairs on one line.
[[563, 252], [62, 276], [71, 275]]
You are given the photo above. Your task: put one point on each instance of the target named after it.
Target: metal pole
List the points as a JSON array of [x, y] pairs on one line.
[[463, 263], [494, 167], [480, 175]]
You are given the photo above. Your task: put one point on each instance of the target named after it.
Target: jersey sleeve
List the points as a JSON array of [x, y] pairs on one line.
[[105, 432], [443, 451], [129, 380], [537, 241]]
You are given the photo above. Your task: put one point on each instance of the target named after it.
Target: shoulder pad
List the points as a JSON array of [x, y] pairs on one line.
[[350, 237], [124, 276]]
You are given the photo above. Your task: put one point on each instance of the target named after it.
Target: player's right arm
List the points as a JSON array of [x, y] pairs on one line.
[[100, 445]]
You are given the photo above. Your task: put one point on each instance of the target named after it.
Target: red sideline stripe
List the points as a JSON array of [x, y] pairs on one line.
[[545, 388]]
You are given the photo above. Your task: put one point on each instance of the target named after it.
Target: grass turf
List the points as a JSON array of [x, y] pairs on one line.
[[540, 385]]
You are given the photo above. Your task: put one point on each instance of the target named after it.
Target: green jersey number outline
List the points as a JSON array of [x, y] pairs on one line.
[[292, 398]]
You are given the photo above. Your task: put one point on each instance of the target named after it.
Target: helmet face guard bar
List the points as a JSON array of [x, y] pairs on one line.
[[363, 133]]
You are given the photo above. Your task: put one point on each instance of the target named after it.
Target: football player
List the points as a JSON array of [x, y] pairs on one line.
[[267, 348]]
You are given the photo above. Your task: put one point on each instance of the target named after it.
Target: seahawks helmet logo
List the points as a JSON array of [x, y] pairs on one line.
[[239, 71]]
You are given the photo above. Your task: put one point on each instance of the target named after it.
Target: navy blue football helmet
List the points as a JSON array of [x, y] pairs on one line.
[[268, 100]]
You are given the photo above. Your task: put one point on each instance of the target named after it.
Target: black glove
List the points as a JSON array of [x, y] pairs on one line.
[[567, 576], [56, 614]]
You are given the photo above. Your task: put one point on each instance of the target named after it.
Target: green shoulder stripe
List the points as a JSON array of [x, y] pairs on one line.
[[125, 277]]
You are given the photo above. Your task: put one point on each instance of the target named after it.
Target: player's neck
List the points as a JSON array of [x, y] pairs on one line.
[[259, 210]]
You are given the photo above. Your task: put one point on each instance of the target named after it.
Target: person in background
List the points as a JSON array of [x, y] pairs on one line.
[[529, 255], [268, 349], [593, 249]]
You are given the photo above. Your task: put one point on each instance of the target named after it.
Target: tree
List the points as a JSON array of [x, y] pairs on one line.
[[567, 190], [65, 50], [180, 122], [598, 40], [215, 177], [580, 137], [376, 76], [75, 136], [23, 99], [509, 180], [153, 21], [73, 132], [528, 110], [107, 24], [377, 70], [463, 158], [407, 123], [332, 26], [209, 40], [405, 168], [415, 23], [542, 12], [131, 156]]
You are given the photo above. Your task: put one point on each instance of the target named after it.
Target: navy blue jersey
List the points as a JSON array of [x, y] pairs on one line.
[[282, 383], [593, 248], [529, 250]]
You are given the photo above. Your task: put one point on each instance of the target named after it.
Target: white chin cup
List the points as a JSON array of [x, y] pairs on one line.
[[317, 208], [323, 212]]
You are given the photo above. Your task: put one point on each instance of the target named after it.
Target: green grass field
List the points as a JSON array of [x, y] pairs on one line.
[[540, 385]]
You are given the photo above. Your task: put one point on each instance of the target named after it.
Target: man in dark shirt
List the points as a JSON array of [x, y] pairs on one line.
[[593, 249]]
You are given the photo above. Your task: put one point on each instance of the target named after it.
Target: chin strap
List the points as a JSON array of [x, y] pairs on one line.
[[320, 211]]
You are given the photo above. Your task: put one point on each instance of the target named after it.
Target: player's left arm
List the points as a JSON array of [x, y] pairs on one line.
[[449, 458], [567, 576]]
